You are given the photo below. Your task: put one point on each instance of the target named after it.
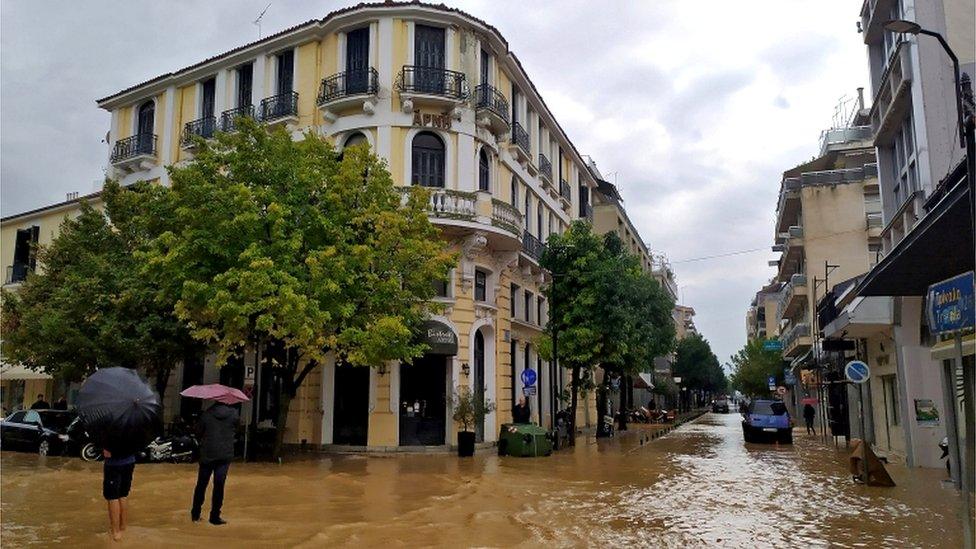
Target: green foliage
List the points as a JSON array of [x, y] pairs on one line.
[[752, 366], [698, 366], [468, 409], [89, 307], [607, 311]]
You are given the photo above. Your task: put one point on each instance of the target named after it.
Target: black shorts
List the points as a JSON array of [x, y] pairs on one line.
[[117, 481]]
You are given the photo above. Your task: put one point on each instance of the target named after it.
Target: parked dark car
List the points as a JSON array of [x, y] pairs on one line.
[[720, 406], [767, 419], [43, 431]]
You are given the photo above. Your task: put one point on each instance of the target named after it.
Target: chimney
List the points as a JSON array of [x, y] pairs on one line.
[[860, 99], [73, 195]]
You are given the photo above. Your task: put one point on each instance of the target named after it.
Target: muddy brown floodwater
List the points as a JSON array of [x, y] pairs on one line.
[[698, 486]]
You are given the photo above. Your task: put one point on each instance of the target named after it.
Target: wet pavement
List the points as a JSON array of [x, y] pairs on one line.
[[698, 486]]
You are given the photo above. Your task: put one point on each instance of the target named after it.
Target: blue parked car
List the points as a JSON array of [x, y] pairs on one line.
[[767, 419]]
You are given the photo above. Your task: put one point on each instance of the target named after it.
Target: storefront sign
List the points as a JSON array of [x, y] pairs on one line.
[[439, 337], [428, 120], [772, 345], [926, 414], [950, 304]]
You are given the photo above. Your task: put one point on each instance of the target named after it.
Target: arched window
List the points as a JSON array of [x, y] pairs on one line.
[[428, 160], [484, 181], [145, 127], [355, 139]]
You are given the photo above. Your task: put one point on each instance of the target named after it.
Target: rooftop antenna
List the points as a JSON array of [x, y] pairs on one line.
[[258, 20]]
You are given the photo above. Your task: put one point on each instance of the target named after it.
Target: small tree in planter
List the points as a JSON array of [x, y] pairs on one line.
[[469, 410]]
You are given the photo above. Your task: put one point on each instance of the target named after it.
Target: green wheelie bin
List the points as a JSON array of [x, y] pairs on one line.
[[524, 440]]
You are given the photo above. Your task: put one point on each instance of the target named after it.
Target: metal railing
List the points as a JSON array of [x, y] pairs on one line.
[[489, 98], [506, 216], [795, 332], [565, 191], [839, 136], [586, 211], [16, 273], [796, 231], [521, 137], [532, 246], [131, 147], [228, 118], [347, 83], [545, 167], [432, 81], [201, 127], [279, 106], [826, 177]]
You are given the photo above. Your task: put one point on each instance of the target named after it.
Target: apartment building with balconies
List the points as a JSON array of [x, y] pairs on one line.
[[762, 318], [442, 98]]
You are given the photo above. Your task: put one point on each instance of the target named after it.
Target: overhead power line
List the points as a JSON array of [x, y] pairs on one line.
[[727, 254]]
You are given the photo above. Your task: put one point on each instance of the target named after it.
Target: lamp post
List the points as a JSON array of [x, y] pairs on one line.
[[966, 117]]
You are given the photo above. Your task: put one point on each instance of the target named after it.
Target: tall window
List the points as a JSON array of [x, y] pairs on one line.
[[528, 212], [286, 71], [890, 386], [480, 285], [538, 220], [245, 78], [540, 306], [513, 298], [903, 161], [515, 194], [484, 172], [146, 126], [528, 306], [441, 288], [428, 160], [485, 66]]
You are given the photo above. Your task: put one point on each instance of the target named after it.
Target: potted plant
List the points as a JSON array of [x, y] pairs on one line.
[[469, 410]]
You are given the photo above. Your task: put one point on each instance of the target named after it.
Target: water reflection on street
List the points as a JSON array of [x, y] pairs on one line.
[[698, 486]]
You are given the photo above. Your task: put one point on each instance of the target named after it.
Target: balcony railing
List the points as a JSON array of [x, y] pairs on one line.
[[521, 137], [840, 136], [532, 246], [279, 106], [492, 100], [564, 190], [586, 211], [506, 216], [448, 203], [545, 167], [873, 220], [344, 84], [228, 118], [795, 332], [202, 127], [432, 81], [16, 273], [131, 147], [796, 231]]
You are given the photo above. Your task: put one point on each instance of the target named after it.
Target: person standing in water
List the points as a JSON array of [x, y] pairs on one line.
[[116, 483], [216, 431], [809, 412]]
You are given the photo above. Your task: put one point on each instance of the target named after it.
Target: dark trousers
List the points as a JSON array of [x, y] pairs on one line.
[[219, 471], [810, 429]]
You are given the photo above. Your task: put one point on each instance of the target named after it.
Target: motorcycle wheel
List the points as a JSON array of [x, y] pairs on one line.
[[43, 448], [89, 452]]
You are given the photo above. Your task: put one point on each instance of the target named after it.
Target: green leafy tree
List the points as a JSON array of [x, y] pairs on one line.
[[752, 366], [698, 367], [88, 307], [297, 250]]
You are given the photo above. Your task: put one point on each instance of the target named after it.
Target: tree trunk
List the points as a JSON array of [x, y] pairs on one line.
[[284, 404], [573, 399], [625, 396]]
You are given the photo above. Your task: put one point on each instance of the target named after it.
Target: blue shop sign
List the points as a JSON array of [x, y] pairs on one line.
[[950, 304], [772, 345]]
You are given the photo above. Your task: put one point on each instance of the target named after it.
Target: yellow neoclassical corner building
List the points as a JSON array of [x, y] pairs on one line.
[[439, 95]]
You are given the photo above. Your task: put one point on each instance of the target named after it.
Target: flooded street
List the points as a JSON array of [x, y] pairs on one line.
[[698, 486]]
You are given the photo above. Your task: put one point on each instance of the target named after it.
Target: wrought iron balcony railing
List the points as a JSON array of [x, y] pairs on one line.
[[564, 190], [432, 81], [532, 246], [202, 127], [131, 147], [228, 118], [279, 106], [520, 137], [586, 211], [545, 167], [16, 273], [489, 98], [345, 84]]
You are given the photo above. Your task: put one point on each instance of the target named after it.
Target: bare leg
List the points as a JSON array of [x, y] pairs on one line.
[[123, 513], [114, 518]]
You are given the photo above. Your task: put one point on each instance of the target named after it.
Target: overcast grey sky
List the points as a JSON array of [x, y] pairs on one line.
[[693, 108]]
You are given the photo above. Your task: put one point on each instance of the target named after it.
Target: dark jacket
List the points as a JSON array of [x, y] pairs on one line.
[[809, 412], [521, 414], [216, 431]]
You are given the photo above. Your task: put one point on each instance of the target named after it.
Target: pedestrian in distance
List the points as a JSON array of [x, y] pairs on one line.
[[216, 430], [521, 413], [808, 414], [40, 404], [116, 483], [61, 404]]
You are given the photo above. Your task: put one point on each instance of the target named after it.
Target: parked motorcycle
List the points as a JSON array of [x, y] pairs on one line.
[[172, 448], [83, 443]]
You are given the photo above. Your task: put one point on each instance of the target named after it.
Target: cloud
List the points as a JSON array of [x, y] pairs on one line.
[[696, 108]]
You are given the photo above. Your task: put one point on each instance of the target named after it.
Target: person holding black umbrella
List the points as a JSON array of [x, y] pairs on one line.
[[116, 483]]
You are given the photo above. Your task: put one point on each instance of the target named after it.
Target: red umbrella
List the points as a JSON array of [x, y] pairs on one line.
[[809, 400], [216, 391]]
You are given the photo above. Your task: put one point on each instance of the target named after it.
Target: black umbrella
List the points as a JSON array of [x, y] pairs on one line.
[[120, 410]]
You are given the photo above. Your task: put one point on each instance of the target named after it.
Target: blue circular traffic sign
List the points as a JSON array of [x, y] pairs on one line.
[[528, 377], [857, 371]]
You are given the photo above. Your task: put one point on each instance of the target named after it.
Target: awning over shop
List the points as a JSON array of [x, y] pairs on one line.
[[11, 372], [938, 248], [946, 350], [863, 317], [643, 381], [439, 337]]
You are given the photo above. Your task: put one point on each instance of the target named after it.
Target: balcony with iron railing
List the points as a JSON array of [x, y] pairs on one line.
[[796, 339], [16, 273], [228, 118], [491, 107], [200, 128], [347, 89], [279, 108], [430, 86], [520, 141], [532, 246], [545, 168], [792, 296], [564, 191], [586, 211], [836, 138], [137, 151]]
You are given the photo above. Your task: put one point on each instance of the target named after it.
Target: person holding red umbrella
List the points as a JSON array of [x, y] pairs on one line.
[[216, 433]]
